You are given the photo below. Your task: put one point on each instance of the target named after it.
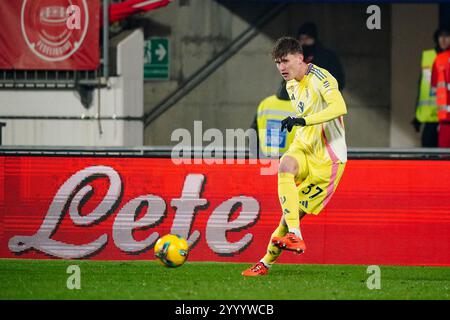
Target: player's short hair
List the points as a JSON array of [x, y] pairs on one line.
[[285, 46]]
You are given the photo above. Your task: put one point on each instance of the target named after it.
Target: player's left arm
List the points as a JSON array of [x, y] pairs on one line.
[[335, 103], [328, 89]]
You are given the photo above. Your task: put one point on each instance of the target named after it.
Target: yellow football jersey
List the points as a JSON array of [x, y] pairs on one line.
[[316, 98]]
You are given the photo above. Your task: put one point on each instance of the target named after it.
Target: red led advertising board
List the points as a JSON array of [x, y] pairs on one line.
[[387, 212]]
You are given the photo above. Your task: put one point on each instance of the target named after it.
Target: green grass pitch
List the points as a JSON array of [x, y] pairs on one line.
[[46, 279]]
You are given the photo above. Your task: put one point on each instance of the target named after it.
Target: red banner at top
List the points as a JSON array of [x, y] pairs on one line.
[[122, 10], [49, 34]]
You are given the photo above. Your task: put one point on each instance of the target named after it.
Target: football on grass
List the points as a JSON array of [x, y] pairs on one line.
[[171, 250]]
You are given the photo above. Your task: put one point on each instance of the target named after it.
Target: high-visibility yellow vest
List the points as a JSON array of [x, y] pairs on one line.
[[271, 111], [426, 110]]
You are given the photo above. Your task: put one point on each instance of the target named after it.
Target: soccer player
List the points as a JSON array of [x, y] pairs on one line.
[[312, 167]]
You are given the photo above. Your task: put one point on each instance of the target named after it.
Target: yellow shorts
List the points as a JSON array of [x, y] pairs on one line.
[[316, 181]]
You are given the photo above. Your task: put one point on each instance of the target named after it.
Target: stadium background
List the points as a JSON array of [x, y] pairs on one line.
[[219, 70]]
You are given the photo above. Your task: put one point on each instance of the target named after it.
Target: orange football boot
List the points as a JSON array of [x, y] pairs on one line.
[[258, 269], [290, 242]]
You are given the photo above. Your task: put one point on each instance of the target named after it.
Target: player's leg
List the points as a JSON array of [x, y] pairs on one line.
[[288, 192], [314, 194], [288, 195], [272, 253], [289, 241]]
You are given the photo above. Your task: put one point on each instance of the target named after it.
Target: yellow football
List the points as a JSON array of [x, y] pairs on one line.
[[171, 250]]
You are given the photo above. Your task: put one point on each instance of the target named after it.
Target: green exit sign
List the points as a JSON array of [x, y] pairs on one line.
[[156, 59]]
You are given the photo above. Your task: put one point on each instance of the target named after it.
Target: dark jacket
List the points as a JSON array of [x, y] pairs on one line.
[[327, 59]]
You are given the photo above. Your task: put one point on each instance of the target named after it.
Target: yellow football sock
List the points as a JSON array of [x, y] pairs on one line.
[[274, 252], [288, 196]]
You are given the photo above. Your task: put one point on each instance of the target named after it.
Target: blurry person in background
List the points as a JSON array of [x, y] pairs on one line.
[[440, 86], [315, 52], [267, 123], [426, 118]]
